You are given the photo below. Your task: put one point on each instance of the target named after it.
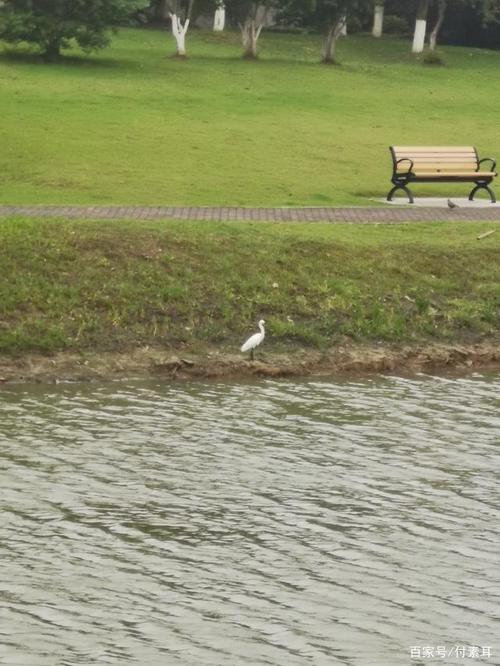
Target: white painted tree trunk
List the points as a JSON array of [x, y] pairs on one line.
[[378, 21], [420, 26], [419, 36], [219, 18], [179, 32], [250, 32]]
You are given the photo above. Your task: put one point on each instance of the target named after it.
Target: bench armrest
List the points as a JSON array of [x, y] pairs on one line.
[[403, 159], [487, 159]]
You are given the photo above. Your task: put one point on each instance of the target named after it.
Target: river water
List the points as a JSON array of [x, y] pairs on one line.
[[270, 523]]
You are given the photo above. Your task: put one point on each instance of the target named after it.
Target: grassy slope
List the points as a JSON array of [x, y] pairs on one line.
[[114, 285], [131, 125]]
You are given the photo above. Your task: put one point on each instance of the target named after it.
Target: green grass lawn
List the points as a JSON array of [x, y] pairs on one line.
[[102, 285], [132, 126]]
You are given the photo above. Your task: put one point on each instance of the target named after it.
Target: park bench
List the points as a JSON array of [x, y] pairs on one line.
[[439, 164]]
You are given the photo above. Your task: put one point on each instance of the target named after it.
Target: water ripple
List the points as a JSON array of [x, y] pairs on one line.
[[266, 523]]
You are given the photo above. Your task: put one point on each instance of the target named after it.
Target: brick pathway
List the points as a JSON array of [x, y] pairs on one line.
[[358, 215]]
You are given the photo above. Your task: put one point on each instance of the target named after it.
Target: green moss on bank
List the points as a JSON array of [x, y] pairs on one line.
[[105, 285]]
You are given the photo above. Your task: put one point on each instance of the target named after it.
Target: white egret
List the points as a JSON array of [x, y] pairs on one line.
[[254, 340]]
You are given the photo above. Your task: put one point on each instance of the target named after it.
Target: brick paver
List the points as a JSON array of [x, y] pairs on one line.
[[355, 215]]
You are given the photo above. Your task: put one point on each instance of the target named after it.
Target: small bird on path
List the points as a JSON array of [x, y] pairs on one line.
[[254, 340], [452, 205]]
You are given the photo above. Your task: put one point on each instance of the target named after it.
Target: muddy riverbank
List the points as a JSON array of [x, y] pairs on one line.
[[216, 363]]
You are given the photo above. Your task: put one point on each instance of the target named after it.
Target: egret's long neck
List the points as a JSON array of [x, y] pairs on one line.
[[261, 326]]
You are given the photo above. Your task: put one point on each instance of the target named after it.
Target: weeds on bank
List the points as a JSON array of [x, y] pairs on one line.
[[115, 285]]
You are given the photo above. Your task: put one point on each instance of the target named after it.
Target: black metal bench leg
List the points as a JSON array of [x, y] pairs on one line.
[[400, 187], [483, 186]]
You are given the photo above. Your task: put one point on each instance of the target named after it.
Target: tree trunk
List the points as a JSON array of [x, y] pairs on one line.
[[420, 26], [330, 45], [434, 34], [250, 32], [162, 11], [219, 18], [378, 20], [52, 50], [179, 32]]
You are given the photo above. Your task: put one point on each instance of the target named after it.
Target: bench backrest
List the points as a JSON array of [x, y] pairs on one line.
[[432, 159]]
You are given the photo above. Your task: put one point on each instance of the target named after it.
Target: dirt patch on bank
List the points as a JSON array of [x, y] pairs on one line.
[[148, 362]]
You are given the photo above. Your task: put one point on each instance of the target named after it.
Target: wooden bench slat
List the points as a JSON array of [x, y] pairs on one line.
[[434, 157], [468, 164], [451, 174], [435, 149], [453, 153], [439, 158], [429, 149], [404, 166], [458, 157]]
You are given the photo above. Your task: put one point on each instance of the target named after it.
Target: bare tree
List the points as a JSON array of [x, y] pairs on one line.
[[251, 27], [330, 44], [161, 10], [378, 18], [332, 14], [219, 16], [180, 15], [420, 26], [439, 22], [328, 17]]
